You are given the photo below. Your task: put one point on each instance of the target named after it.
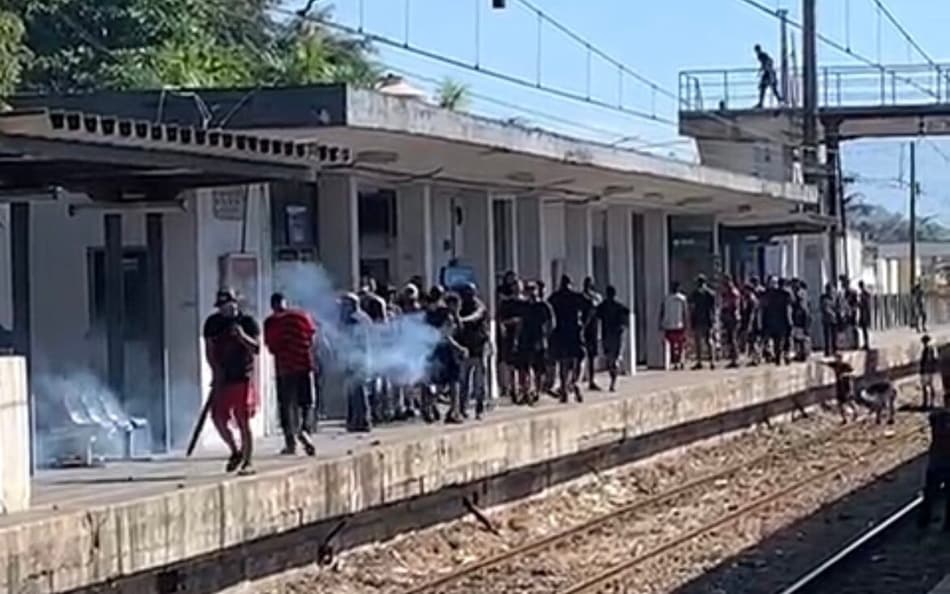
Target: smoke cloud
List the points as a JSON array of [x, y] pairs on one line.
[[397, 351], [77, 414]]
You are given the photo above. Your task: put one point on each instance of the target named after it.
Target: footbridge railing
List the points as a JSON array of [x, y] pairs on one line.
[[838, 86]]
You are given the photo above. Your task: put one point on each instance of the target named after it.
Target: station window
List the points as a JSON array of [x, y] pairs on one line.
[[377, 212]]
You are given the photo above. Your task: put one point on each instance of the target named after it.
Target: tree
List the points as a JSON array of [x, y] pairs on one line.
[[453, 95], [80, 45], [12, 52]]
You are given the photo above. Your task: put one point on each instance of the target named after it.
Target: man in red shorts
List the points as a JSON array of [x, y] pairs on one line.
[[289, 334], [231, 347]]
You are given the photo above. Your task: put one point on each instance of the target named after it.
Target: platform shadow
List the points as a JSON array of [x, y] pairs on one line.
[[776, 562]]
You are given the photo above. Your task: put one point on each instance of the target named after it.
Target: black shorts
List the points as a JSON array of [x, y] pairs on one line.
[[612, 347], [531, 360], [566, 345], [591, 348], [296, 388]]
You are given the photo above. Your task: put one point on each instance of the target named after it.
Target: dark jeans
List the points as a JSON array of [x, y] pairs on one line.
[[730, 332], [358, 409], [702, 342], [778, 343], [295, 405], [830, 338]]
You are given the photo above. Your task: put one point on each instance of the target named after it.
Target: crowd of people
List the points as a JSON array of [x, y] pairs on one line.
[[545, 344], [761, 321]]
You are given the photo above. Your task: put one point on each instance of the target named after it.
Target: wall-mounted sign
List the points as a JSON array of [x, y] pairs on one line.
[[228, 203]]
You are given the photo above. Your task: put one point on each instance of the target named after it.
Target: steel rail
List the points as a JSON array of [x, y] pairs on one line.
[[833, 435], [602, 579], [864, 540]]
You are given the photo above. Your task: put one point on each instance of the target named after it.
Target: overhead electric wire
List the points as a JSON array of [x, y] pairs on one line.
[[840, 47], [910, 38], [463, 65]]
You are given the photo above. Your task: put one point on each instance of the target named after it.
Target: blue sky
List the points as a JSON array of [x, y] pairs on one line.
[[657, 40]]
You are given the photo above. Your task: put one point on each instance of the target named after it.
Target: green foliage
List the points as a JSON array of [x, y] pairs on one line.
[[453, 95], [12, 52], [83, 45]]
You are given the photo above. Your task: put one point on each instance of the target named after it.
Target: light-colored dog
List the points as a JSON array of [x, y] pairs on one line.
[[880, 397]]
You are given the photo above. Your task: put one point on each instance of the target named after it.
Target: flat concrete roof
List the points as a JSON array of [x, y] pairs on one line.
[[925, 249], [78, 150], [411, 140]]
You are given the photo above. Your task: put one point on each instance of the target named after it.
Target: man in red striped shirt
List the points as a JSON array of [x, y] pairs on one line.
[[289, 334]]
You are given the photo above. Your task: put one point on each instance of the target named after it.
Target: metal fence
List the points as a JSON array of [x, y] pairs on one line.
[[889, 312], [838, 86]]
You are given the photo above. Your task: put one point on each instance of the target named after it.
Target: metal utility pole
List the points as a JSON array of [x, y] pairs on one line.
[[913, 212], [810, 100], [783, 44]]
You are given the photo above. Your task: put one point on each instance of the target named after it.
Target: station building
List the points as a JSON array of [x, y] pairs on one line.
[[112, 245]]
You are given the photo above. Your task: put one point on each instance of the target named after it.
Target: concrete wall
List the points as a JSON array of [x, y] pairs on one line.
[[73, 548], [15, 432]]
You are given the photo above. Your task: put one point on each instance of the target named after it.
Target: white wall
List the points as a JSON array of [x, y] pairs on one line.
[[60, 334], [183, 319]]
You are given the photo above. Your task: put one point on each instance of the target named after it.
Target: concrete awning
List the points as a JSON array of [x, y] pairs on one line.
[[404, 140], [83, 151], [762, 227]]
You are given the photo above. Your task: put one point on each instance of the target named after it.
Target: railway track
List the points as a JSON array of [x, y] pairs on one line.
[[612, 578], [814, 579], [477, 574]]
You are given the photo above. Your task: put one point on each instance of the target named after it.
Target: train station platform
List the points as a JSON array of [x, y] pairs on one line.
[[170, 524]]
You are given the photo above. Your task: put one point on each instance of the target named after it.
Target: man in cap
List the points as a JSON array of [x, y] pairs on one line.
[[289, 334], [473, 335], [572, 311], [231, 348]]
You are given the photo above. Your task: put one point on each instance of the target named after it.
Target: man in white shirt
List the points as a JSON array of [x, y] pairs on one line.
[[673, 323]]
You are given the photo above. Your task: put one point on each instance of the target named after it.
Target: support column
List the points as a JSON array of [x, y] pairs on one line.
[[20, 276], [478, 225], [115, 305], [656, 276], [414, 235], [339, 239], [479, 242], [155, 283], [532, 259], [578, 233], [620, 269]]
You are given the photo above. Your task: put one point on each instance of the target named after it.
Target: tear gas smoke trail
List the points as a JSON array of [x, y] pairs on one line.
[[398, 351]]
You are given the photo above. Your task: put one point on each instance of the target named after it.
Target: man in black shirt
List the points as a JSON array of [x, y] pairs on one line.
[[614, 318], [446, 371], [828, 307], [232, 342], [473, 335], [509, 293], [864, 314], [777, 319], [702, 314], [767, 79], [534, 327], [571, 312], [591, 328]]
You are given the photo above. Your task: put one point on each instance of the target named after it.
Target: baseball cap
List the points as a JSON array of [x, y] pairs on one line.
[[224, 296]]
